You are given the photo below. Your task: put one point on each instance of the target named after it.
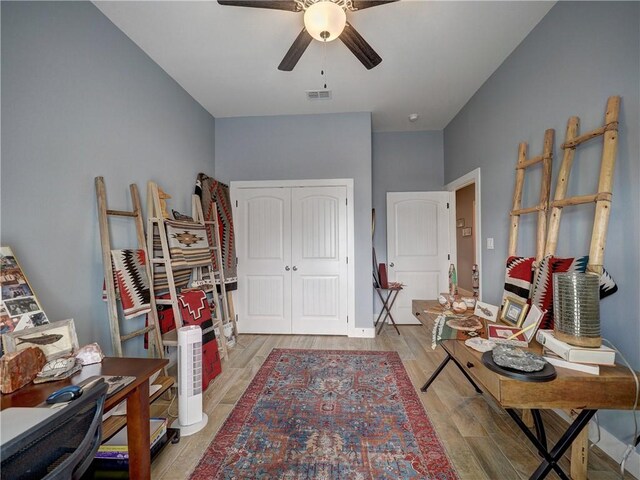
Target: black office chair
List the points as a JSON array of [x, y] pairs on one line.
[[62, 446]]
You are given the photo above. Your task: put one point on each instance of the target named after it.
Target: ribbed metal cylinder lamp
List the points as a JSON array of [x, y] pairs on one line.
[[576, 308]]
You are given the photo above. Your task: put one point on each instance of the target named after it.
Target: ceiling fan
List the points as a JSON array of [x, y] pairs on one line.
[[324, 20]]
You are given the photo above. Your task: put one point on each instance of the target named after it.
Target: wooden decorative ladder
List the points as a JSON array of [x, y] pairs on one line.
[[155, 220], [541, 208], [104, 213], [602, 198], [199, 275], [224, 315], [545, 188]]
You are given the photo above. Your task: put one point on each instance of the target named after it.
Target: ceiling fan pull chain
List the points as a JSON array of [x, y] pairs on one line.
[[323, 72]]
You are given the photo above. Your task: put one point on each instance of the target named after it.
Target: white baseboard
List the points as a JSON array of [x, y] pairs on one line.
[[362, 332], [611, 445]]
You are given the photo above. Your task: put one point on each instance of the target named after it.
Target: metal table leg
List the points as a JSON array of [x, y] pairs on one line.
[[552, 458], [384, 302], [394, 294], [435, 374], [387, 305], [466, 374]]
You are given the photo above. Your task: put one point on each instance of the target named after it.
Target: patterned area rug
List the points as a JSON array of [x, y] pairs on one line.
[[327, 414]]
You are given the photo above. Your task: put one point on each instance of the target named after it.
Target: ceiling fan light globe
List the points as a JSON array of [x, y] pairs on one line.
[[325, 20]]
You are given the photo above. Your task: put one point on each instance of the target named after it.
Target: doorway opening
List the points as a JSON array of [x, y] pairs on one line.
[[465, 234]]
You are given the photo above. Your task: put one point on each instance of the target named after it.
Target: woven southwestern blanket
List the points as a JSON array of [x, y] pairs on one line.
[[188, 248], [131, 282], [188, 244], [195, 310], [211, 191], [328, 414]]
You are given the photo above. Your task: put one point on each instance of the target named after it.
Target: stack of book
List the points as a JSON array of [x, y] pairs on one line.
[[563, 355], [116, 448]]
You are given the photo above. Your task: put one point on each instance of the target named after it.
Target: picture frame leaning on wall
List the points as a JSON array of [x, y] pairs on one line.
[[56, 339]]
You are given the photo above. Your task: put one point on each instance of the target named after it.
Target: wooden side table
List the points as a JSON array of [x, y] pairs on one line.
[[387, 304]]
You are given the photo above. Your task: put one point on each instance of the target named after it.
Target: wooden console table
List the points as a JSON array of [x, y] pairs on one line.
[[136, 394], [613, 389]]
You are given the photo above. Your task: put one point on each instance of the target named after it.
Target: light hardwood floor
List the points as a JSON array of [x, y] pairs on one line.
[[480, 438]]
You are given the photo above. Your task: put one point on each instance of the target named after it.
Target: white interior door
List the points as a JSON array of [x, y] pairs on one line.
[[319, 260], [417, 247], [263, 244]]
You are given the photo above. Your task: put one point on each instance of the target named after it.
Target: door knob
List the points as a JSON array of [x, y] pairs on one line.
[[392, 264], [295, 269], [287, 268]]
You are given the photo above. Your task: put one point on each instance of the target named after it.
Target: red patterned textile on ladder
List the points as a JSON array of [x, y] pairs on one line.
[[518, 278], [131, 281], [212, 191], [195, 310]]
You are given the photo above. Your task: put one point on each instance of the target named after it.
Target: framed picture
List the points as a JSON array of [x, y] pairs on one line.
[[466, 232], [514, 311], [460, 222], [56, 339], [507, 335], [486, 311], [532, 322], [19, 307]]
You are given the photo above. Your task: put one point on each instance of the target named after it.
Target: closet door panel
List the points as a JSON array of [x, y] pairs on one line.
[[264, 254], [318, 255]]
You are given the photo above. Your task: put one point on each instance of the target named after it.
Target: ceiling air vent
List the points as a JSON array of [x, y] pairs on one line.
[[318, 94]]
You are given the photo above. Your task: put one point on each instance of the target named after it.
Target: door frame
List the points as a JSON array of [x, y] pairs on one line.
[[352, 331], [472, 177]]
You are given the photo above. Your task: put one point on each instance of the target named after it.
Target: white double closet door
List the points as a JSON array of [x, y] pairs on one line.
[[292, 260]]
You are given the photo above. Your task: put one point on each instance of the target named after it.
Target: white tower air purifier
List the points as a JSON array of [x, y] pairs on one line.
[[191, 419]]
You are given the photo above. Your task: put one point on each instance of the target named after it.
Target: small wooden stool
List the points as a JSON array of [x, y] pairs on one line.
[[387, 304]]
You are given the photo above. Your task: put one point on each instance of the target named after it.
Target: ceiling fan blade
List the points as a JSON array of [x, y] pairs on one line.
[[362, 4], [288, 5], [296, 50], [359, 47]]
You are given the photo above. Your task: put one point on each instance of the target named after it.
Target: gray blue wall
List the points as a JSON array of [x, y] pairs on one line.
[[79, 99], [307, 147], [403, 162], [581, 53]]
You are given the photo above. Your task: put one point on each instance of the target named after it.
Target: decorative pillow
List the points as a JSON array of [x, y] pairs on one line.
[[518, 278], [543, 284], [608, 285], [542, 292]]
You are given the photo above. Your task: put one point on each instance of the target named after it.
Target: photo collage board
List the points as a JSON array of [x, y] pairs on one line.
[[19, 308]]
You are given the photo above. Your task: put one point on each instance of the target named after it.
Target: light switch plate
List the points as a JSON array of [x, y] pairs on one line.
[[489, 243]]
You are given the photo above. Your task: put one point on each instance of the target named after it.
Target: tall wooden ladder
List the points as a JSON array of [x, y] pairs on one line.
[[162, 263], [543, 203], [602, 198], [201, 276], [152, 328], [215, 276], [546, 158]]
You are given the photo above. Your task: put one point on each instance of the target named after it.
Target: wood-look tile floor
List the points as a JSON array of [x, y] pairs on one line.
[[480, 438]]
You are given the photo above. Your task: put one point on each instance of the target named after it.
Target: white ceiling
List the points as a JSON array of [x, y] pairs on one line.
[[435, 56]]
